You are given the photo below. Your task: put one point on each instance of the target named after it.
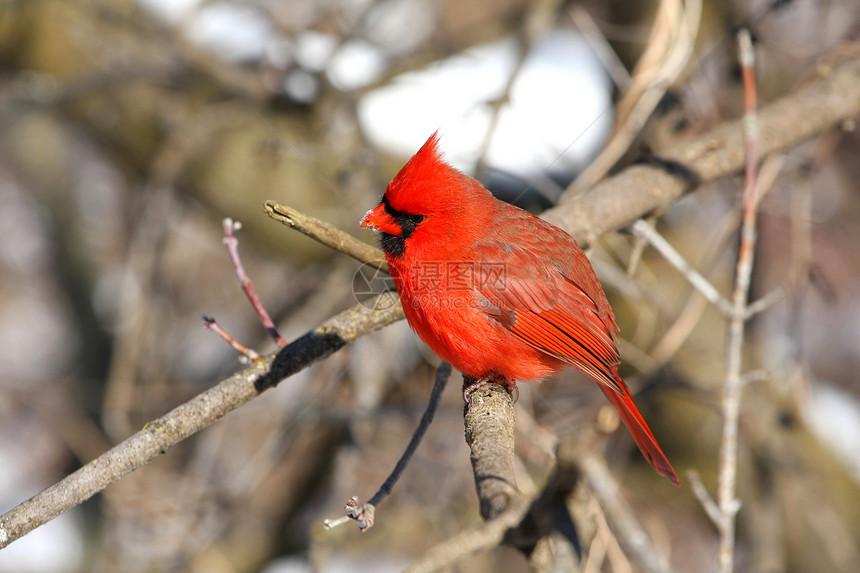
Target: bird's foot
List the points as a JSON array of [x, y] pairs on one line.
[[472, 384]]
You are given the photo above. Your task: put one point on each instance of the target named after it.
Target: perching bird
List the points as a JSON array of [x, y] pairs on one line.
[[499, 293]]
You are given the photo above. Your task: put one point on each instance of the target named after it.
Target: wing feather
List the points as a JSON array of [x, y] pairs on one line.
[[536, 302]]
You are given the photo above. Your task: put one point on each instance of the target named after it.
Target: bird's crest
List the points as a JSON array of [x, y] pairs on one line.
[[421, 179]]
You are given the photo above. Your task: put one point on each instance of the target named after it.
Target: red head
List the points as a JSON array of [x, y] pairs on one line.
[[427, 197]]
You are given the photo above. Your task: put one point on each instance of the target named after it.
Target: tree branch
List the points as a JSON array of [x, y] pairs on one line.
[[489, 420], [511, 518], [730, 408], [327, 234], [617, 201], [189, 418]]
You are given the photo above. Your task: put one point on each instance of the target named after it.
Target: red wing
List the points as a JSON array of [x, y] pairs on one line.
[[534, 301]]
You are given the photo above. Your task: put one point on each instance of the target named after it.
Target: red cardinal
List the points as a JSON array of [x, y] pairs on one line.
[[499, 293]]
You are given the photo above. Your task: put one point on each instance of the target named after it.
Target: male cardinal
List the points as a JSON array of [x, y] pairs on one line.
[[497, 292]]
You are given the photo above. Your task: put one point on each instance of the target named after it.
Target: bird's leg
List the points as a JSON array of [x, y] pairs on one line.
[[471, 384]]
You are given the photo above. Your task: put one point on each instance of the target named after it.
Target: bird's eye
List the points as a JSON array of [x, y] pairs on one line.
[[415, 219]]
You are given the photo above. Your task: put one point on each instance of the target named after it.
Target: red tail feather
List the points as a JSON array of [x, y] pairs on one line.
[[639, 429]]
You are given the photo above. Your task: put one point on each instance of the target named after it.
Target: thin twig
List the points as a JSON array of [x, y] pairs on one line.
[[232, 245], [690, 314], [727, 476], [248, 353], [327, 234], [365, 515], [539, 18], [694, 277], [443, 373], [701, 493], [773, 297], [600, 45]]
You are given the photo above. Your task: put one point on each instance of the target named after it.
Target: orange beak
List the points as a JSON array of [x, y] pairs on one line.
[[379, 220]]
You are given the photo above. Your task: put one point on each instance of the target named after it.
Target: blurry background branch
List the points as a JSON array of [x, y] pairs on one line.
[[812, 109], [666, 56]]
